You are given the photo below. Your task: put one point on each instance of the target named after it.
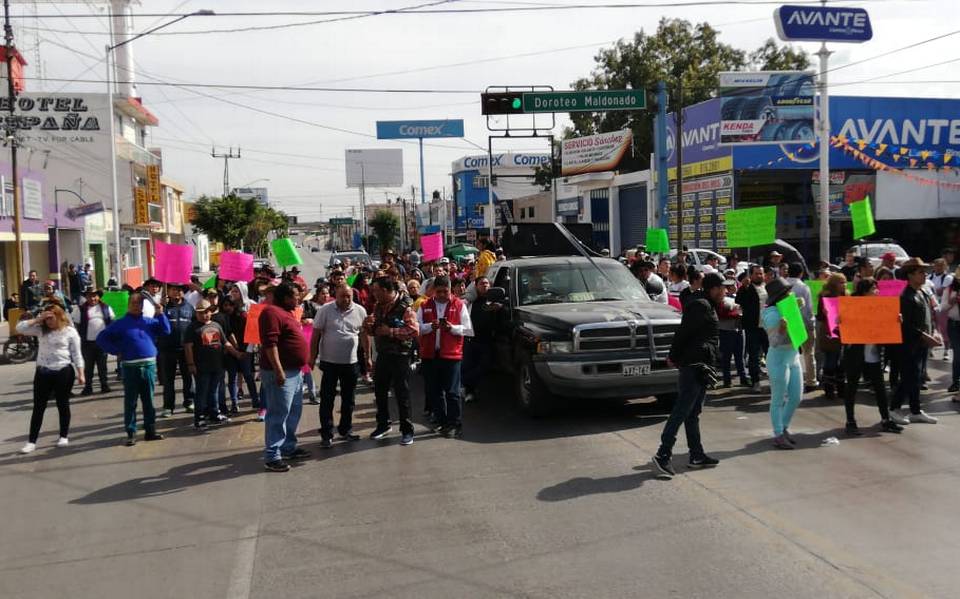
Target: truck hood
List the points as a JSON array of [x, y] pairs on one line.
[[567, 316]]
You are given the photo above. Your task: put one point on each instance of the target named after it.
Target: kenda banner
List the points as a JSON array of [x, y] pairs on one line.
[[767, 107], [907, 126], [594, 153], [419, 129]]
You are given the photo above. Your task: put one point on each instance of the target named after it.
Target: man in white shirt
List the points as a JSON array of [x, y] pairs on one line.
[[194, 293], [152, 298], [337, 334], [90, 318], [444, 322]]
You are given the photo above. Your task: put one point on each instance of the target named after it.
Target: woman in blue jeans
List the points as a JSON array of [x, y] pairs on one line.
[[783, 366]]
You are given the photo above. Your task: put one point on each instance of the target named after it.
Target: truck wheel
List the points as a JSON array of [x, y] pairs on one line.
[[532, 396], [665, 401]]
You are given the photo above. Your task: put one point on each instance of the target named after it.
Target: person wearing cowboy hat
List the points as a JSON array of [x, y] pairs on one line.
[[774, 260], [919, 336], [783, 366], [90, 318], [152, 297]]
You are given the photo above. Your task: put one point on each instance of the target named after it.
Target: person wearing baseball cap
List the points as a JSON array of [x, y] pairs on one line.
[[783, 365], [205, 344], [889, 260], [694, 352], [919, 336]]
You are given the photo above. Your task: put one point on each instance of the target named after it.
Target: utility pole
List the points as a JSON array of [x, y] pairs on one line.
[[226, 166], [11, 135], [678, 144]]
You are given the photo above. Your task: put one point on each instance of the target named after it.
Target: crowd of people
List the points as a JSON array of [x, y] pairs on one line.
[[381, 324], [731, 321], [359, 323]]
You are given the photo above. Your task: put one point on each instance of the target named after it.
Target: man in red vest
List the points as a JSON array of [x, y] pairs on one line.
[[444, 322]]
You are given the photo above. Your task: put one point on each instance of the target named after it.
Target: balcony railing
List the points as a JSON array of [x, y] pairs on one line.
[[127, 150]]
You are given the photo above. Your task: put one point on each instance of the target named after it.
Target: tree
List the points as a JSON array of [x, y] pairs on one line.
[[678, 51], [386, 226], [238, 223]]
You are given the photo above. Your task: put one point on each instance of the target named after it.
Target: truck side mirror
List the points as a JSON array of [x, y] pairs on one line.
[[497, 294]]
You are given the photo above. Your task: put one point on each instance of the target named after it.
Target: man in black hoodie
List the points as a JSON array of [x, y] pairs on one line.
[[751, 298], [694, 351]]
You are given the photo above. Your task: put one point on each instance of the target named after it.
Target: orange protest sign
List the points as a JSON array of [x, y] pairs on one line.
[[251, 333], [870, 320]]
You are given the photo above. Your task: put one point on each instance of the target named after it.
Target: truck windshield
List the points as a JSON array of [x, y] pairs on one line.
[[574, 283]]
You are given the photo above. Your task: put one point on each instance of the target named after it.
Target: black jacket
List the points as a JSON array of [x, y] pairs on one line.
[[181, 316], [698, 338], [915, 308], [749, 301]]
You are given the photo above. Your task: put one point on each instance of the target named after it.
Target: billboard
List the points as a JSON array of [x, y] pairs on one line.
[[375, 168], [702, 152], [822, 24], [594, 153], [767, 107], [259, 194], [916, 125], [419, 129]]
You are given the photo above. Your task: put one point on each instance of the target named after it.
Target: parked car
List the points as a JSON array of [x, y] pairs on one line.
[[698, 258], [874, 249], [581, 328], [314, 249], [355, 257]]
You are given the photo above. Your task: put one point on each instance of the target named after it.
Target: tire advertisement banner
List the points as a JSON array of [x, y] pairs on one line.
[[594, 153], [767, 107]]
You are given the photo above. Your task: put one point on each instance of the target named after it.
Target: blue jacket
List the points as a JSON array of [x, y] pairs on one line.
[[131, 337], [180, 317]]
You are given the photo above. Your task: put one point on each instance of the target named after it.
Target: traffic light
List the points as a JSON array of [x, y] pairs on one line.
[[501, 103]]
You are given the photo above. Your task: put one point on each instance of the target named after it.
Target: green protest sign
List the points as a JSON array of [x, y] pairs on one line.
[[790, 311], [117, 300], [351, 279], [211, 282], [861, 213], [285, 252], [749, 227], [657, 242]]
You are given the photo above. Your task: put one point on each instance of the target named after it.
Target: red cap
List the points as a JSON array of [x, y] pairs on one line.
[[889, 256]]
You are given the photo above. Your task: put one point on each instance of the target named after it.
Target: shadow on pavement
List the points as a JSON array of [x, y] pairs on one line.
[[177, 479], [583, 486]]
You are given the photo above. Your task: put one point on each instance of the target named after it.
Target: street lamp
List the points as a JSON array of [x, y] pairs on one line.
[[113, 136]]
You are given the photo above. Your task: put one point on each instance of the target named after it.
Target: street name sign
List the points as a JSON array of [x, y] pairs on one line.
[[585, 101], [419, 129], [85, 210], [823, 24]]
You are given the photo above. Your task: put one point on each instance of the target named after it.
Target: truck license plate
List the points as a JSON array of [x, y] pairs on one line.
[[636, 369]]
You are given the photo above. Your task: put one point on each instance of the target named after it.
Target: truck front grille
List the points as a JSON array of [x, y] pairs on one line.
[[651, 339]]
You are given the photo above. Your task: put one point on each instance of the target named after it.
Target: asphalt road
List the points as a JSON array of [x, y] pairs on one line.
[[561, 507]]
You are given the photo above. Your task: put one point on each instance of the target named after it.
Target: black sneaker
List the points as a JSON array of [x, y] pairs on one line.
[[663, 467], [277, 466], [351, 436], [105, 389], [953, 388], [326, 443], [200, 427], [380, 432], [188, 407], [889, 426], [153, 437], [86, 391], [703, 461], [852, 429], [297, 454], [131, 441], [234, 411]]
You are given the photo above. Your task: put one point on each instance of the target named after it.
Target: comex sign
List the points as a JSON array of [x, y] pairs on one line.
[[821, 23], [419, 129], [504, 161]]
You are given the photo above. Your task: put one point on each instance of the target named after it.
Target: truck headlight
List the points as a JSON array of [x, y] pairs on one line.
[[555, 347]]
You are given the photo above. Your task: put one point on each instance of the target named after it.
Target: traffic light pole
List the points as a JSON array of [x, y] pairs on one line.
[[490, 210]]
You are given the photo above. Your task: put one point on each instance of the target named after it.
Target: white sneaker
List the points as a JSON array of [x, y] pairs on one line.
[[28, 448], [63, 442], [923, 417], [899, 417], [166, 414]]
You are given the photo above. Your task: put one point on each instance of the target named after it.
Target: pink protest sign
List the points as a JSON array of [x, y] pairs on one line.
[[831, 308], [891, 288], [236, 266], [174, 262], [432, 246]]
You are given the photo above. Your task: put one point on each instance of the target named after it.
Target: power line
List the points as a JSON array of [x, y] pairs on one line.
[[269, 87]]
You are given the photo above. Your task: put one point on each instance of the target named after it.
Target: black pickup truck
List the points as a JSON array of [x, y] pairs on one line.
[[581, 328]]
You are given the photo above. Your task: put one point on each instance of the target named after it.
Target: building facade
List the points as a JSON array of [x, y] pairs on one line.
[[513, 178]]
